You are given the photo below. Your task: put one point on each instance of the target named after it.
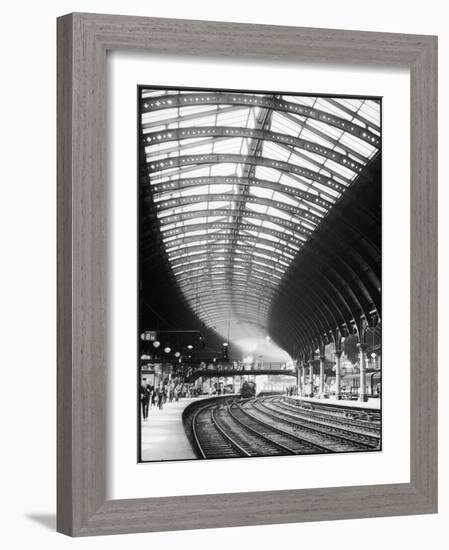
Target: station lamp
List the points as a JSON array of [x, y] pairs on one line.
[[224, 350]]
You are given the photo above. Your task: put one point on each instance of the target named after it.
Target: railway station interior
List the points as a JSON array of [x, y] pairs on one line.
[[260, 274]]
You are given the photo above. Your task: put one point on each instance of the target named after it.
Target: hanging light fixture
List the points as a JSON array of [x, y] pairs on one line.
[[156, 344]]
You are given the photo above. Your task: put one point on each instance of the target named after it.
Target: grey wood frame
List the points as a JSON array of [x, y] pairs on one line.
[[83, 40]]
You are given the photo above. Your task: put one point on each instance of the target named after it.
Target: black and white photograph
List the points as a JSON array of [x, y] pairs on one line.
[[260, 303], [220, 275]]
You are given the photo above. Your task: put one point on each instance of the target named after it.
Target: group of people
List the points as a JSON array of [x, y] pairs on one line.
[[155, 397], [158, 396]]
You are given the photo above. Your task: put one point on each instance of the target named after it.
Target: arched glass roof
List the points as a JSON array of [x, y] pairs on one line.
[[238, 182]]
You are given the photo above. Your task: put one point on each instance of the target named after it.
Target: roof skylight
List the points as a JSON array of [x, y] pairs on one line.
[[239, 182]]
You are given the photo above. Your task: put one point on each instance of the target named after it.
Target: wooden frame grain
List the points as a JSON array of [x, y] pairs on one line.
[[83, 40]]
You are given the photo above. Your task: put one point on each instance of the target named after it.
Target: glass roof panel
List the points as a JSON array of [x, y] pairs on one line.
[[264, 212]]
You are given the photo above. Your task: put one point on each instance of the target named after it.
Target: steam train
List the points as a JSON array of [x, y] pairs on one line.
[[248, 389]]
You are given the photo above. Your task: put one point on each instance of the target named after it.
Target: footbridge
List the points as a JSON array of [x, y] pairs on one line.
[[239, 369]]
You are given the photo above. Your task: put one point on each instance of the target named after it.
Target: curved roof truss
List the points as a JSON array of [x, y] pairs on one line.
[[267, 101], [238, 183]]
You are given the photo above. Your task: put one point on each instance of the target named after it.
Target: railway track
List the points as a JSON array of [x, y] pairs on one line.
[[256, 442], [288, 440], [348, 425], [267, 427], [210, 438], [359, 419], [334, 437]]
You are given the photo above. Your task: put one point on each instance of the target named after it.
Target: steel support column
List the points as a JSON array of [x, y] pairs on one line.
[[338, 354], [311, 393], [362, 361], [322, 364]]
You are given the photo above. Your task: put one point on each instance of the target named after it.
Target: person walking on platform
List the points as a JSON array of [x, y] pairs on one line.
[[144, 401], [149, 396], [160, 399]]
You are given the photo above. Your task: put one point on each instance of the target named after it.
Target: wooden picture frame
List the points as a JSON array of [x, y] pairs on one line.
[[83, 40]]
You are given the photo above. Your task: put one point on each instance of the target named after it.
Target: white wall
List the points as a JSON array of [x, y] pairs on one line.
[[27, 299]]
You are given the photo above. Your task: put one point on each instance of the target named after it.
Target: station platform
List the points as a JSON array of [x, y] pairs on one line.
[[372, 403], [163, 435]]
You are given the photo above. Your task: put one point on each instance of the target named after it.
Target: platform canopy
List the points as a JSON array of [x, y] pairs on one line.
[[239, 182]]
